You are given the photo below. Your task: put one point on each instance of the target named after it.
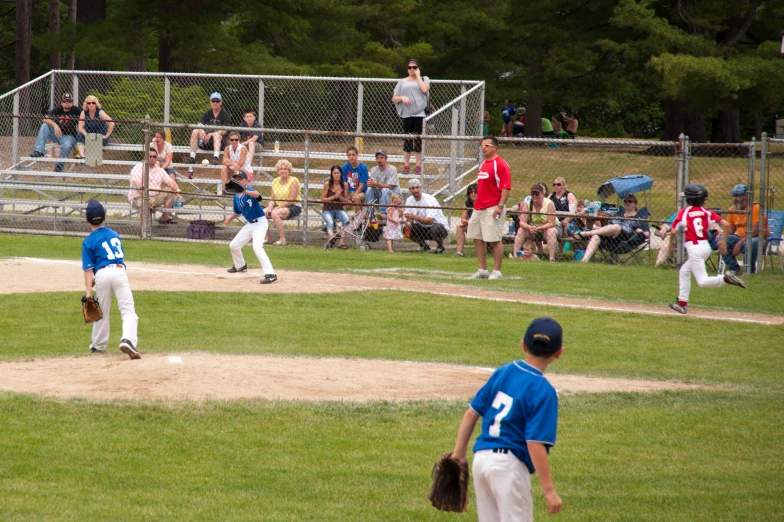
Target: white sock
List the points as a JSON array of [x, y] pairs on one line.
[[483, 271], [193, 154], [497, 272]]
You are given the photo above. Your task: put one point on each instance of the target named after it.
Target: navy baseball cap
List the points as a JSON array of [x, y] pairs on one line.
[[547, 332], [95, 212], [739, 189], [216, 95], [240, 175]]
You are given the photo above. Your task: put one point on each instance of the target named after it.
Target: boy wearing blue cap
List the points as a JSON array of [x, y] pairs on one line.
[[519, 410], [211, 139], [103, 262], [255, 230]]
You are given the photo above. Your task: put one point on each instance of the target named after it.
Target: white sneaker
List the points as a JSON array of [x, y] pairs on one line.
[[495, 275], [480, 274]]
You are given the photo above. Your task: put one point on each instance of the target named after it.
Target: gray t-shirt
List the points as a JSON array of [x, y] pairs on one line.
[[387, 176], [410, 89]]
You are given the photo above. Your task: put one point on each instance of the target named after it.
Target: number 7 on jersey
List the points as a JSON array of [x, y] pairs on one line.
[[503, 402]]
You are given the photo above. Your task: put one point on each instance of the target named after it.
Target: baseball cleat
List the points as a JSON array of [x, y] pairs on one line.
[[732, 279], [233, 270], [96, 350], [678, 308], [269, 278], [127, 347]]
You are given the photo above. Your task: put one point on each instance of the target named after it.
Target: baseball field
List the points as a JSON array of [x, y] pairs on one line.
[[330, 394]]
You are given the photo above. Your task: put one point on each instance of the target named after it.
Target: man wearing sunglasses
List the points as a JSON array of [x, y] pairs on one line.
[[211, 139], [158, 178], [59, 126], [487, 222]]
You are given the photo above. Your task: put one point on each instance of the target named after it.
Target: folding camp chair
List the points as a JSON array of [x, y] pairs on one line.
[[773, 241]]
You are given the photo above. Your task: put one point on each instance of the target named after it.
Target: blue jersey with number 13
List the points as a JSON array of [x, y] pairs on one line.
[[102, 247]]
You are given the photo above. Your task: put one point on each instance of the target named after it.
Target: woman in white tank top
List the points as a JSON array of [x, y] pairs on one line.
[[236, 159]]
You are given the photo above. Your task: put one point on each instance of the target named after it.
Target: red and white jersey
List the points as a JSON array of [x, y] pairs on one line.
[[696, 221], [493, 177]]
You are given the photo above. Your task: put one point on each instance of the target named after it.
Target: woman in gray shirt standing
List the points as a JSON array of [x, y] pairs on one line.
[[411, 99]]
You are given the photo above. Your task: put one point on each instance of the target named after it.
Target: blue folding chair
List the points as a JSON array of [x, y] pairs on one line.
[[776, 225]]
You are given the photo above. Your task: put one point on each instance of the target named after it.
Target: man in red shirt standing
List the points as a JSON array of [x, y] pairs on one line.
[[486, 225]]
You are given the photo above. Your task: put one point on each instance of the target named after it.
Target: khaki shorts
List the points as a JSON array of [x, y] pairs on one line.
[[539, 236], [158, 201], [483, 226]]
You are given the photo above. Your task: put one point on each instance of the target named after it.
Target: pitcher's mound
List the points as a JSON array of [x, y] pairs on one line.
[[199, 376]]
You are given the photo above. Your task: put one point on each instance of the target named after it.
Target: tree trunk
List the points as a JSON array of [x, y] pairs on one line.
[[54, 28], [139, 63], [533, 102], [24, 35], [170, 35], [70, 57], [726, 127], [90, 11], [756, 123], [679, 119]]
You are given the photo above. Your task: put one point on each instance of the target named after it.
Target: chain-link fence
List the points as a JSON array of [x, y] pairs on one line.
[[311, 122]]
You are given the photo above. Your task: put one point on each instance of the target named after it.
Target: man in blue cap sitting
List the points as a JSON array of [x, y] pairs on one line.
[[211, 139]]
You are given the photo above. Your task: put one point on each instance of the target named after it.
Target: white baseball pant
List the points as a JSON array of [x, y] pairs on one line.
[[255, 232], [108, 280], [503, 488], [695, 264]]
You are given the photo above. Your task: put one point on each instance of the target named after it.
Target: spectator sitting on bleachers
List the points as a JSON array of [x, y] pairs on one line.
[[471, 192], [382, 182], [285, 201], [570, 124], [93, 120], [251, 139], [158, 178], [355, 176], [214, 139], [424, 224], [333, 195], [560, 133], [539, 225], [165, 151], [564, 201], [236, 159], [741, 236], [664, 234], [59, 126], [618, 231]]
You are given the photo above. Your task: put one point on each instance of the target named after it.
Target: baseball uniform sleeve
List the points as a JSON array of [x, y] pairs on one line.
[[88, 259], [678, 221], [542, 420], [481, 402], [714, 217], [237, 209]]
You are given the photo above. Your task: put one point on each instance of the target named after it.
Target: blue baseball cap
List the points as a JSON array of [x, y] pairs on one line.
[[216, 95], [95, 212], [547, 333], [240, 175], [739, 189]]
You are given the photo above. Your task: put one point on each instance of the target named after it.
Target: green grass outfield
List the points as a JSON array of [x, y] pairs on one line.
[[712, 454]]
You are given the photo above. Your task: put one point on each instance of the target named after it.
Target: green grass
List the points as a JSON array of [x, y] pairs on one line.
[[712, 454], [625, 284]]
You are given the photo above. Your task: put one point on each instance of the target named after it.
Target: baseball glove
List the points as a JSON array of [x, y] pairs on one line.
[[449, 491], [91, 310], [233, 187]]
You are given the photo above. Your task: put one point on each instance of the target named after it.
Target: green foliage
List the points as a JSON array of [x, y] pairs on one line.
[[131, 97]]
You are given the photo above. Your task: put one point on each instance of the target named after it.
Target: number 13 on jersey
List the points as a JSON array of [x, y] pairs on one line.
[[117, 253]]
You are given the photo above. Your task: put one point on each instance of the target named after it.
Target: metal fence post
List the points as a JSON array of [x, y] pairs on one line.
[[682, 179], [52, 87], [747, 251], [146, 219], [166, 99], [763, 197], [15, 132], [75, 88], [360, 100], [261, 103], [306, 168]]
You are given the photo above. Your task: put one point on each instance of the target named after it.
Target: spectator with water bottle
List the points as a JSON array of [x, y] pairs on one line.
[[158, 178]]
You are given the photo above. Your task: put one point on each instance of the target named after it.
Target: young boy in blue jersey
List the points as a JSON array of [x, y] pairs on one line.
[[519, 410], [255, 229], [103, 262]]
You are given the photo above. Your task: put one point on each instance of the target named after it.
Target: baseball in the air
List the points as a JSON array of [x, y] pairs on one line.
[[205, 162]]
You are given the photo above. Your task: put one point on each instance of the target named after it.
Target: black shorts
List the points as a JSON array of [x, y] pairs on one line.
[[208, 144], [294, 211], [412, 126]]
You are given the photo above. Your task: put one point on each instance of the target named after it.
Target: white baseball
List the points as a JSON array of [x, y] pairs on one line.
[[205, 162]]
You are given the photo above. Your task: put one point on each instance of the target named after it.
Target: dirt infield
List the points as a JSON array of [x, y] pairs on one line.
[[199, 376]]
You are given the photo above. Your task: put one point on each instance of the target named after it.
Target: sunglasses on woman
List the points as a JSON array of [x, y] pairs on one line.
[[413, 67]]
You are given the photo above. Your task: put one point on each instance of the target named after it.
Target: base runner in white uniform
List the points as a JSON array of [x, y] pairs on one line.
[[695, 221], [255, 230], [103, 262]]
